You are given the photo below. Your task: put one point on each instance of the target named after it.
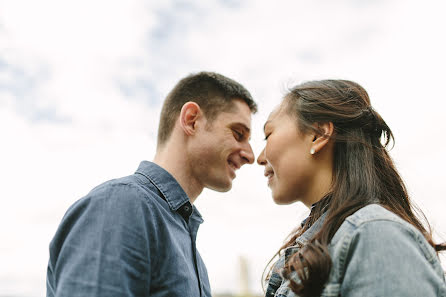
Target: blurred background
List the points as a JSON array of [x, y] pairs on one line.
[[81, 87]]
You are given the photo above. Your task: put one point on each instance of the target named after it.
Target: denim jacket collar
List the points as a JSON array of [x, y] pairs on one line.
[[312, 230], [168, 186], [305, 237]]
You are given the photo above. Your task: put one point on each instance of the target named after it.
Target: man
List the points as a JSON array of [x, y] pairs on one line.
[[135, 236]]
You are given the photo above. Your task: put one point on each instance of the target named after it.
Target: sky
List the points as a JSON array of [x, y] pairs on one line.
[[82, 83]]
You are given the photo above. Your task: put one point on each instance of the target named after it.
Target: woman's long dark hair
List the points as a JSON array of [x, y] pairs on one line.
[[363, 173]]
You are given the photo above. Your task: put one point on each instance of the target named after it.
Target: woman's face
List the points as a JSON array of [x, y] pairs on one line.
[[287, 158]]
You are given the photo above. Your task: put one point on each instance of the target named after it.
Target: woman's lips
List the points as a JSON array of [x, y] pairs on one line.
[[269, 174]]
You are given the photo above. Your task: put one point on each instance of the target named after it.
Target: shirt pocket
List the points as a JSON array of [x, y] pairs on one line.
[[331, 290]]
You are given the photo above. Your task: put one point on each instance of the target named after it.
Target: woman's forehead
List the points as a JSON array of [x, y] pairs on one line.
[[277, 111]]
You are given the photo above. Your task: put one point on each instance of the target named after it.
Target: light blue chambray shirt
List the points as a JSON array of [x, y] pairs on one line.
[[132, 236], [374, 254]]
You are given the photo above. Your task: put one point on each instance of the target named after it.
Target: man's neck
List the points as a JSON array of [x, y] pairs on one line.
[[176, 163]]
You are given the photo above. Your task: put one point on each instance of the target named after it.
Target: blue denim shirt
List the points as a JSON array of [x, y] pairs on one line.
[[133, 236], [374, 253]]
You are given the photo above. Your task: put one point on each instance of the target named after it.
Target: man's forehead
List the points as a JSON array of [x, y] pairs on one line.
[[239, 114]]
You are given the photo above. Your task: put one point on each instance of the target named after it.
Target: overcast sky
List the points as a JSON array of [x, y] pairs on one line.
[[82, 82]]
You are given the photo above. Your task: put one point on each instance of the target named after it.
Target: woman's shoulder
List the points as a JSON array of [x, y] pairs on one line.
[[373, 238], [373, 227], [369, 216], [371, 213]]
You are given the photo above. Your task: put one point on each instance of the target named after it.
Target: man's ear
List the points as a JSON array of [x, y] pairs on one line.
[[321, 139], [190, 113]]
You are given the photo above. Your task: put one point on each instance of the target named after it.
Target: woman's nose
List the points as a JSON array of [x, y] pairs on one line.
[[261, 158]]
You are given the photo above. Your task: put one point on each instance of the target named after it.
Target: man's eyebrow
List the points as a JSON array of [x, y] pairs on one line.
[[243, 126]]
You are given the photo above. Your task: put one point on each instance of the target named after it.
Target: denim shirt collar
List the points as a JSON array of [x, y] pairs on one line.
[[168, 186]]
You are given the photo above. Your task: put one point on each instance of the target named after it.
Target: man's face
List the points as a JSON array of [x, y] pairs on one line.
[[222, 147]]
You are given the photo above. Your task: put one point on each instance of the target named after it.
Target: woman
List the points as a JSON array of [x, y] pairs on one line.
[[326, 147]]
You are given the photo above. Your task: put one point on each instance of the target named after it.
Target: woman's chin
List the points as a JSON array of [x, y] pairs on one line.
[[282, 200], [279, 200]]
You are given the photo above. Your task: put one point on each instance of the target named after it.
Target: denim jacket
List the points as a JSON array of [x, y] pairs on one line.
[[374, 253]]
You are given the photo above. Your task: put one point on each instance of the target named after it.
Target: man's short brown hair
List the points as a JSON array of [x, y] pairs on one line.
[[213, 92]]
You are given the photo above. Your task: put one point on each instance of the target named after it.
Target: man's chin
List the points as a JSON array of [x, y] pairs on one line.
[[221, 187]]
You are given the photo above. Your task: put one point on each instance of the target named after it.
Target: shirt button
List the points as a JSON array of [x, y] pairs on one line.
[[186, 208]]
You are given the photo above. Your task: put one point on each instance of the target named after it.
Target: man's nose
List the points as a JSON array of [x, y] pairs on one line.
[[247, 154], [261, 158]]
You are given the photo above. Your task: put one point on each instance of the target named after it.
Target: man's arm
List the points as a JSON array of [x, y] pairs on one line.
[[102, 247]]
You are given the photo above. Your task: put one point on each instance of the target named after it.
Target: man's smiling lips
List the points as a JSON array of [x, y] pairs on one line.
[[233, 166]]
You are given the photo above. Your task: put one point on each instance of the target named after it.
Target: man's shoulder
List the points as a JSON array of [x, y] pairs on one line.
[[127, 182], [120, 192]]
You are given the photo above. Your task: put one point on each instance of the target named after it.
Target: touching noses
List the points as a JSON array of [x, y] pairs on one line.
[[261, 158]]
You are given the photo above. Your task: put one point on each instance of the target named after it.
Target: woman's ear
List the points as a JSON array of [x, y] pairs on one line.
[[320, 140], [189, 115]]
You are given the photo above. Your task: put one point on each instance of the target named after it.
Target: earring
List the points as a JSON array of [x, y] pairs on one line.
[[312, 151]]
